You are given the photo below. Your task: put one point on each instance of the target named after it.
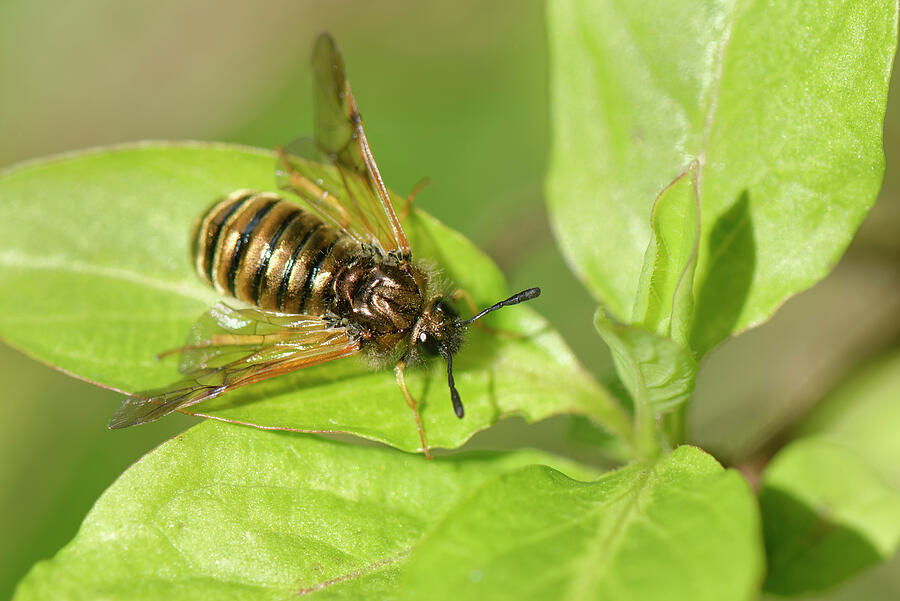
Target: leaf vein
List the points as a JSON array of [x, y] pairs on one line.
[[16, 259]]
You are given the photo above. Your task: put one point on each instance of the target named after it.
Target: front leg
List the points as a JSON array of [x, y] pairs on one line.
[[401, 382]]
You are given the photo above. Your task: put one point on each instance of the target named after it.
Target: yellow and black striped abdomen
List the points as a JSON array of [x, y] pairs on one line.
[[269, 252]]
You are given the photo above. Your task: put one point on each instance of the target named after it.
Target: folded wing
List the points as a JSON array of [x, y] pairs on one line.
[[229, 348], [335, 173]]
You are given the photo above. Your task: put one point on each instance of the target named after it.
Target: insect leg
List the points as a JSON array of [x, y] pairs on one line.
[[407, 206], [401, 382], [464, 295]]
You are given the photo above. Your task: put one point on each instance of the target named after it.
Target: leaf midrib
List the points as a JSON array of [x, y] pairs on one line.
[[595, 562], [14, 259]]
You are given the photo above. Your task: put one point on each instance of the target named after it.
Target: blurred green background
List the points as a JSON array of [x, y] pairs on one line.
[[458, 92]]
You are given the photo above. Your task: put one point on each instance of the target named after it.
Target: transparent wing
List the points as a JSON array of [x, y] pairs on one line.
[[335, 173], [229, 348]]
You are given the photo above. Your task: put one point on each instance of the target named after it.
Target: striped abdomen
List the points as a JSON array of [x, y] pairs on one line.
[[268, 252]]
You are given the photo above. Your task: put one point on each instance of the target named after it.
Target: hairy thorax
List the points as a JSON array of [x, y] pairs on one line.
[[379, 297]]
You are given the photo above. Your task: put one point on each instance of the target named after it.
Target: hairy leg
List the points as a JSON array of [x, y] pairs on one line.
[[407, 206], [401, 382]]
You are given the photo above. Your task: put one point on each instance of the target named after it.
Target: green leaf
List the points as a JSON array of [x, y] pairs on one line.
[[780, 103], [826, 516], [95, 268], [863, 414], [682, 528], [665, 299], [227, 512], [657, 373]]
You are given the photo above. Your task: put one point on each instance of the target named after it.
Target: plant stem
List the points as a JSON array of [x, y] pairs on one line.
[[646, 441], [673, 427]]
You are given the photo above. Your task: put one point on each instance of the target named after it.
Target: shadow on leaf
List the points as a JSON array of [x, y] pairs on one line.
[[807, 549], [732, 260]]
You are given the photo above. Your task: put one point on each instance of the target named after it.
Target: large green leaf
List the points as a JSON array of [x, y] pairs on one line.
[[94, 264], [780, 103], [227, 512], [681, 528], [826, 516]]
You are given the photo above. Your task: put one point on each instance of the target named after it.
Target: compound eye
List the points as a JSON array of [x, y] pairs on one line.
[[428, 343]]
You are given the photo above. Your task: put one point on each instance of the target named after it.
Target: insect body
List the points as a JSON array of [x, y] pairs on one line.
[[331, 276], [268, 252]]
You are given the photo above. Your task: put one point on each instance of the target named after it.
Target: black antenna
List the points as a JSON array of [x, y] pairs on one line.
[[515, 299], [454, 395]]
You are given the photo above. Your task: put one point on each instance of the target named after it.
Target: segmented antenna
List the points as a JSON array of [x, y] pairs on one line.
[[454, 395], [515, 299]]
